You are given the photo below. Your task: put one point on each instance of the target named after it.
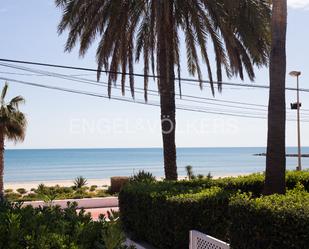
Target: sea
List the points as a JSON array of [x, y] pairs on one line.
[[66, 164]]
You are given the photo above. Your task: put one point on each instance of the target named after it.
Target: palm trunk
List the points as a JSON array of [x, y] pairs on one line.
[[1, 164], [167, 87], [276, 159]]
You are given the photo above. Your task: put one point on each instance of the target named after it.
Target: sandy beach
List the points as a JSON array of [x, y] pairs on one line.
[[63, 183], [99, 182]]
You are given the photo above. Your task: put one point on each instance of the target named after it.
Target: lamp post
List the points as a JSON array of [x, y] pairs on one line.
[[297, 106]]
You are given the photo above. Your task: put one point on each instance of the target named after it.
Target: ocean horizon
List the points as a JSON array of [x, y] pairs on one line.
[[27, 165]]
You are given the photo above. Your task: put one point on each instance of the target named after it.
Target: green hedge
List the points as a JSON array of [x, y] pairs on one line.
[[162, 213], [273, 222], [164, 220]]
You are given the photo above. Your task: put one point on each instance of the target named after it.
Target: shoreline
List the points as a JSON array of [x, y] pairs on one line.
[[63, 183], [28, 185]]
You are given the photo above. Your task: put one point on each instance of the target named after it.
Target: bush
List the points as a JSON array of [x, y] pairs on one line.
[[22, 191], [164, 219], [93, 188], [143, 176], [55, 228], [273, 222], [9, 190]]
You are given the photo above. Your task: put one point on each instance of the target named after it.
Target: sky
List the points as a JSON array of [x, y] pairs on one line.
[[65, 120]]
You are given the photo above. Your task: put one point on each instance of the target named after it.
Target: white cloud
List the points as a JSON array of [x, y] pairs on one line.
[[299, 4]]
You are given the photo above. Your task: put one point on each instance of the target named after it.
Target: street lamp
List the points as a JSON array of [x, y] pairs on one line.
[[297, 106]]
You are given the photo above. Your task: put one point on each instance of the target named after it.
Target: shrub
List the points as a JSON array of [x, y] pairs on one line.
[[53, 227], [159, 211], [93, 188], [9, 190], [80, 182], [143, 176], [12, 197], [273, 222], [22, 191], [164, 220]]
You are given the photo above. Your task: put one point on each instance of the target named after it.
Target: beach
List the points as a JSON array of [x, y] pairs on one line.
[[63, 183], [99, 182]]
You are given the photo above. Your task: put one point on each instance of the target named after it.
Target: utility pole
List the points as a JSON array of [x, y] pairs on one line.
[[297, 106]]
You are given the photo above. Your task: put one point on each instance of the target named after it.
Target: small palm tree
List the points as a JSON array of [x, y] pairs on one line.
[[80, 182], [12, 126]]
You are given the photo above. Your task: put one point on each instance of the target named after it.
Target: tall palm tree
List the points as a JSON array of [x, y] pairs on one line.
[[152, 31], [12, 126], [276, 160]]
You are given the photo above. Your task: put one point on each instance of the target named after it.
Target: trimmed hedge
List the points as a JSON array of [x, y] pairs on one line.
[[164, 220], [162, 213], [273, 222]]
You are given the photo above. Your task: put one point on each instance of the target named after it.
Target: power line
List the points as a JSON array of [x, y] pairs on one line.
[[142, 75], [104, 84], [129, 100]]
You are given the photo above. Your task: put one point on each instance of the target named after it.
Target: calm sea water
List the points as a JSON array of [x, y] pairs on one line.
[[66, 164]]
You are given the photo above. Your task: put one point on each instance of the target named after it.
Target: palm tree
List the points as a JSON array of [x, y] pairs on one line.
[[152, 32], [276, 161], [12, 126]]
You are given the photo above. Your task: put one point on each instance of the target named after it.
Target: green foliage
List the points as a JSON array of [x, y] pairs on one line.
[[55, 228], [162, 213], [93, 188], [49, 194], [276, 222], [164, 220], [143, 176], [9, 190], [22, 191], [80, 182]]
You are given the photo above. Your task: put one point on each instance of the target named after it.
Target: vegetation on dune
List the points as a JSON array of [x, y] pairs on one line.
[[12, 126], [152, 32], [56, 192]]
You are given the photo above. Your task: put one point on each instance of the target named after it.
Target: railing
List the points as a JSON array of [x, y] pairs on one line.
[[200, 240]]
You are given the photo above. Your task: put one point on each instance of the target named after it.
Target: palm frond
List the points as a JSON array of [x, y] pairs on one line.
[[4, 91]]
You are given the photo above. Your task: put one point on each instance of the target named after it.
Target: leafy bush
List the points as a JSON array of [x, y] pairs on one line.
[[22, 191], [9, 190], [274, 222], [55, 228], [143, 176], [93, 188]]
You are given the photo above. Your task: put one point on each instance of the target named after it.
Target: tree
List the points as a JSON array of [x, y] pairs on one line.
[[12, 126], [276, 159], [152, 31]]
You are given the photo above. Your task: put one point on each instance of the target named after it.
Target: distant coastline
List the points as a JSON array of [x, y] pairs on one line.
[[287, 155]]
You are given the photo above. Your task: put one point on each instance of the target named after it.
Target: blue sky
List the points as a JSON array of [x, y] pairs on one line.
[[64, 120]]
